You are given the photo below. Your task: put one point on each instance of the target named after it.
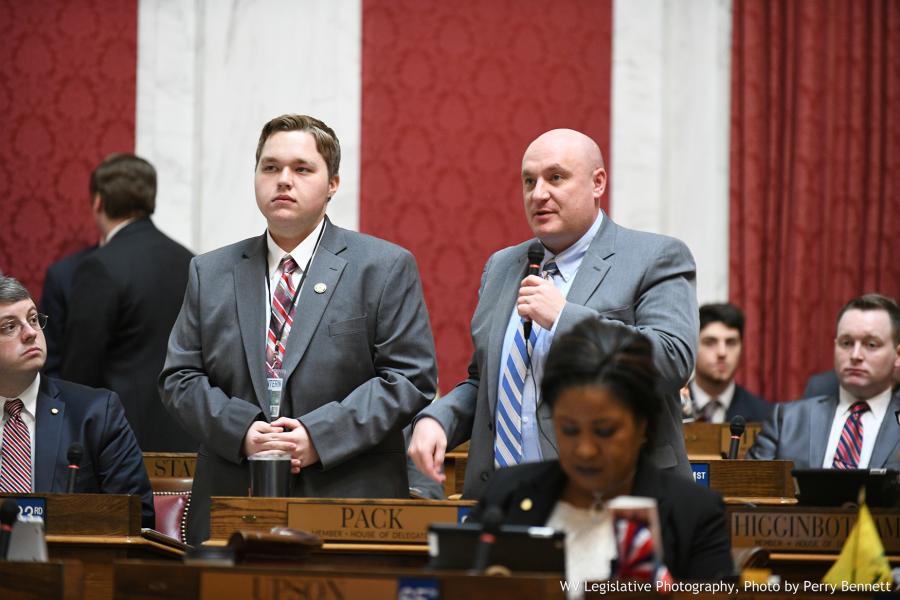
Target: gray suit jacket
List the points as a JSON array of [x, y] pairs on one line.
[[632, 279], [359, 363], [798, 431]]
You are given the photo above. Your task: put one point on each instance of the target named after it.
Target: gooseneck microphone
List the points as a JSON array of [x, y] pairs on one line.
[[535, 256], [490, 525], [9, 512], [738, 424], [75, 453]]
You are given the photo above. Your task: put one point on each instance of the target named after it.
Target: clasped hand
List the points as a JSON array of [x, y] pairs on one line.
[[284, 435]]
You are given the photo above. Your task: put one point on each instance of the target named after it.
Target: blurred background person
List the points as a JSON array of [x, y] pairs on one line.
[[601, 386], [715, 397], [125, 298]]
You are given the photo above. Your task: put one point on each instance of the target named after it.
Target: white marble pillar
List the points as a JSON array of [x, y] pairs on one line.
[[211, 73], [670, 126]]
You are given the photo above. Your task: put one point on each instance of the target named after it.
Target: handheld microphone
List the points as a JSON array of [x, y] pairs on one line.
[[490, 525], [738, 424], [535, 256], [9, 512], [76, 451]]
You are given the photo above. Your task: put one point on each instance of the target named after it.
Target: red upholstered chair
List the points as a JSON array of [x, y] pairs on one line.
[[171, 500]]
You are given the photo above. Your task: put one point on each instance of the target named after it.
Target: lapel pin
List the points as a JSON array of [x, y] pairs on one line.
[[320, 288], [54, 411], [526, 504]]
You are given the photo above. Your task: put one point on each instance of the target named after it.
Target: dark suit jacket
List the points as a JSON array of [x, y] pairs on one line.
[[112, 462], [798, 431], [125, 299], [748, 405], [825, 383], [55, 304], [358, 363], [696, 542]]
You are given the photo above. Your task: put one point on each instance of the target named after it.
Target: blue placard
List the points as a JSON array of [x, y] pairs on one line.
[[462, 513], [32, 509], [418, 588], [701, 473]]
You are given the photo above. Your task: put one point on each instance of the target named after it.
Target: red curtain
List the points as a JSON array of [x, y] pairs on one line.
[[453, 92], [815, 176], [67, 99]]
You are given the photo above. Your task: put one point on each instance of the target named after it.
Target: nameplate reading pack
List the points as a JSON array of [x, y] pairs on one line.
[[371, 521]]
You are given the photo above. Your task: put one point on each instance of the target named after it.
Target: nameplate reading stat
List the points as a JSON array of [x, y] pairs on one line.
[[217, 585], [807, 530], [376, 522]]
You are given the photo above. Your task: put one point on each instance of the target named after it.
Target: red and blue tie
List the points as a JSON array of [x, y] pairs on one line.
[[15, 471], [282, 317], [850, 445]]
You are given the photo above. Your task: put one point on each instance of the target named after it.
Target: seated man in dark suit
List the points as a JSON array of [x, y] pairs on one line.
[[857, 427], [43, 416], [715, 397]]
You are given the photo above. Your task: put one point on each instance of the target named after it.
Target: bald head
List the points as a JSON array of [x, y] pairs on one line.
[[563, 179]]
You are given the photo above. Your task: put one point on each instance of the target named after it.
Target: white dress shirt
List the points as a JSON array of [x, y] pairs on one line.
[[871, 423], [701, 399], [590, 544], [29, 414], [302, 255], [568, 262]]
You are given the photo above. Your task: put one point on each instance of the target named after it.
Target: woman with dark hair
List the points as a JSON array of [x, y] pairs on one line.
[[600, 384]]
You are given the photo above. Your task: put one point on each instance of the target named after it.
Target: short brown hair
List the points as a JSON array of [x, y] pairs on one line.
[[876, 302], [126, 184], [326, 140]]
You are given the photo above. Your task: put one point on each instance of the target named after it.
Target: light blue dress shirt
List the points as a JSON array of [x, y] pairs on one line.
[[568, 261]]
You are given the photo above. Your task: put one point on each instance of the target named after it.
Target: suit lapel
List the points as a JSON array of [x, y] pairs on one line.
[[888, 436], [249, 286], [820, 419], [504, 301], [595, 263], [48, 440], [326, 268]]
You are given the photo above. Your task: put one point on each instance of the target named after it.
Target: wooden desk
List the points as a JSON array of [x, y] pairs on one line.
[[59, 580], [708, 441], [96, 529], [143, 581], [170, 464]]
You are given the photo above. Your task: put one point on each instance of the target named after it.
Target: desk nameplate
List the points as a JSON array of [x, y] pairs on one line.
[[170, 464], [798, 529], [216, 585], [373, 521]]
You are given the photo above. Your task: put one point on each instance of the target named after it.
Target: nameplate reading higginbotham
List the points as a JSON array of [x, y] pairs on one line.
[[807, 530], [370, 522]]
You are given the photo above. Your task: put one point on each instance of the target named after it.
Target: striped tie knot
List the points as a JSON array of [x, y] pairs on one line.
[[288, 265], [859, 408], [550, 269], [14, 408]]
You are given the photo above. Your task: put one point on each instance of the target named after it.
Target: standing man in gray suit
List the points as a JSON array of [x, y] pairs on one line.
[[859, 427], [592, 269], [334, 319]]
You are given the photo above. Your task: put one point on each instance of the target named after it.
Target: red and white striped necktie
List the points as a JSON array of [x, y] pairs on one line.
[[15, 471], [282, 316]]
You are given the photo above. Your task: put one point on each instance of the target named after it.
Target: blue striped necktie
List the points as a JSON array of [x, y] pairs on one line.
[[849, 447], [508, 448]]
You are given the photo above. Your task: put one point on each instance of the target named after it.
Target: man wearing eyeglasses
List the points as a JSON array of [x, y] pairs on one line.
[[42, 417]]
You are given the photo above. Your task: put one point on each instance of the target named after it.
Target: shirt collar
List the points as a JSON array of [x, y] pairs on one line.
[[701, 398], [569, 259], [301, 254], [117, 229], [878, 404], [28, 397]]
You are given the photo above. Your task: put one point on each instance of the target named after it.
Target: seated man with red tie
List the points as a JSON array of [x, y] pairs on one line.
[[42, 417], [858, 428]]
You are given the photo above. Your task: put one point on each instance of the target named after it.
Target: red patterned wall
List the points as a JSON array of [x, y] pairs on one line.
[[453, 92], [67, 96]]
